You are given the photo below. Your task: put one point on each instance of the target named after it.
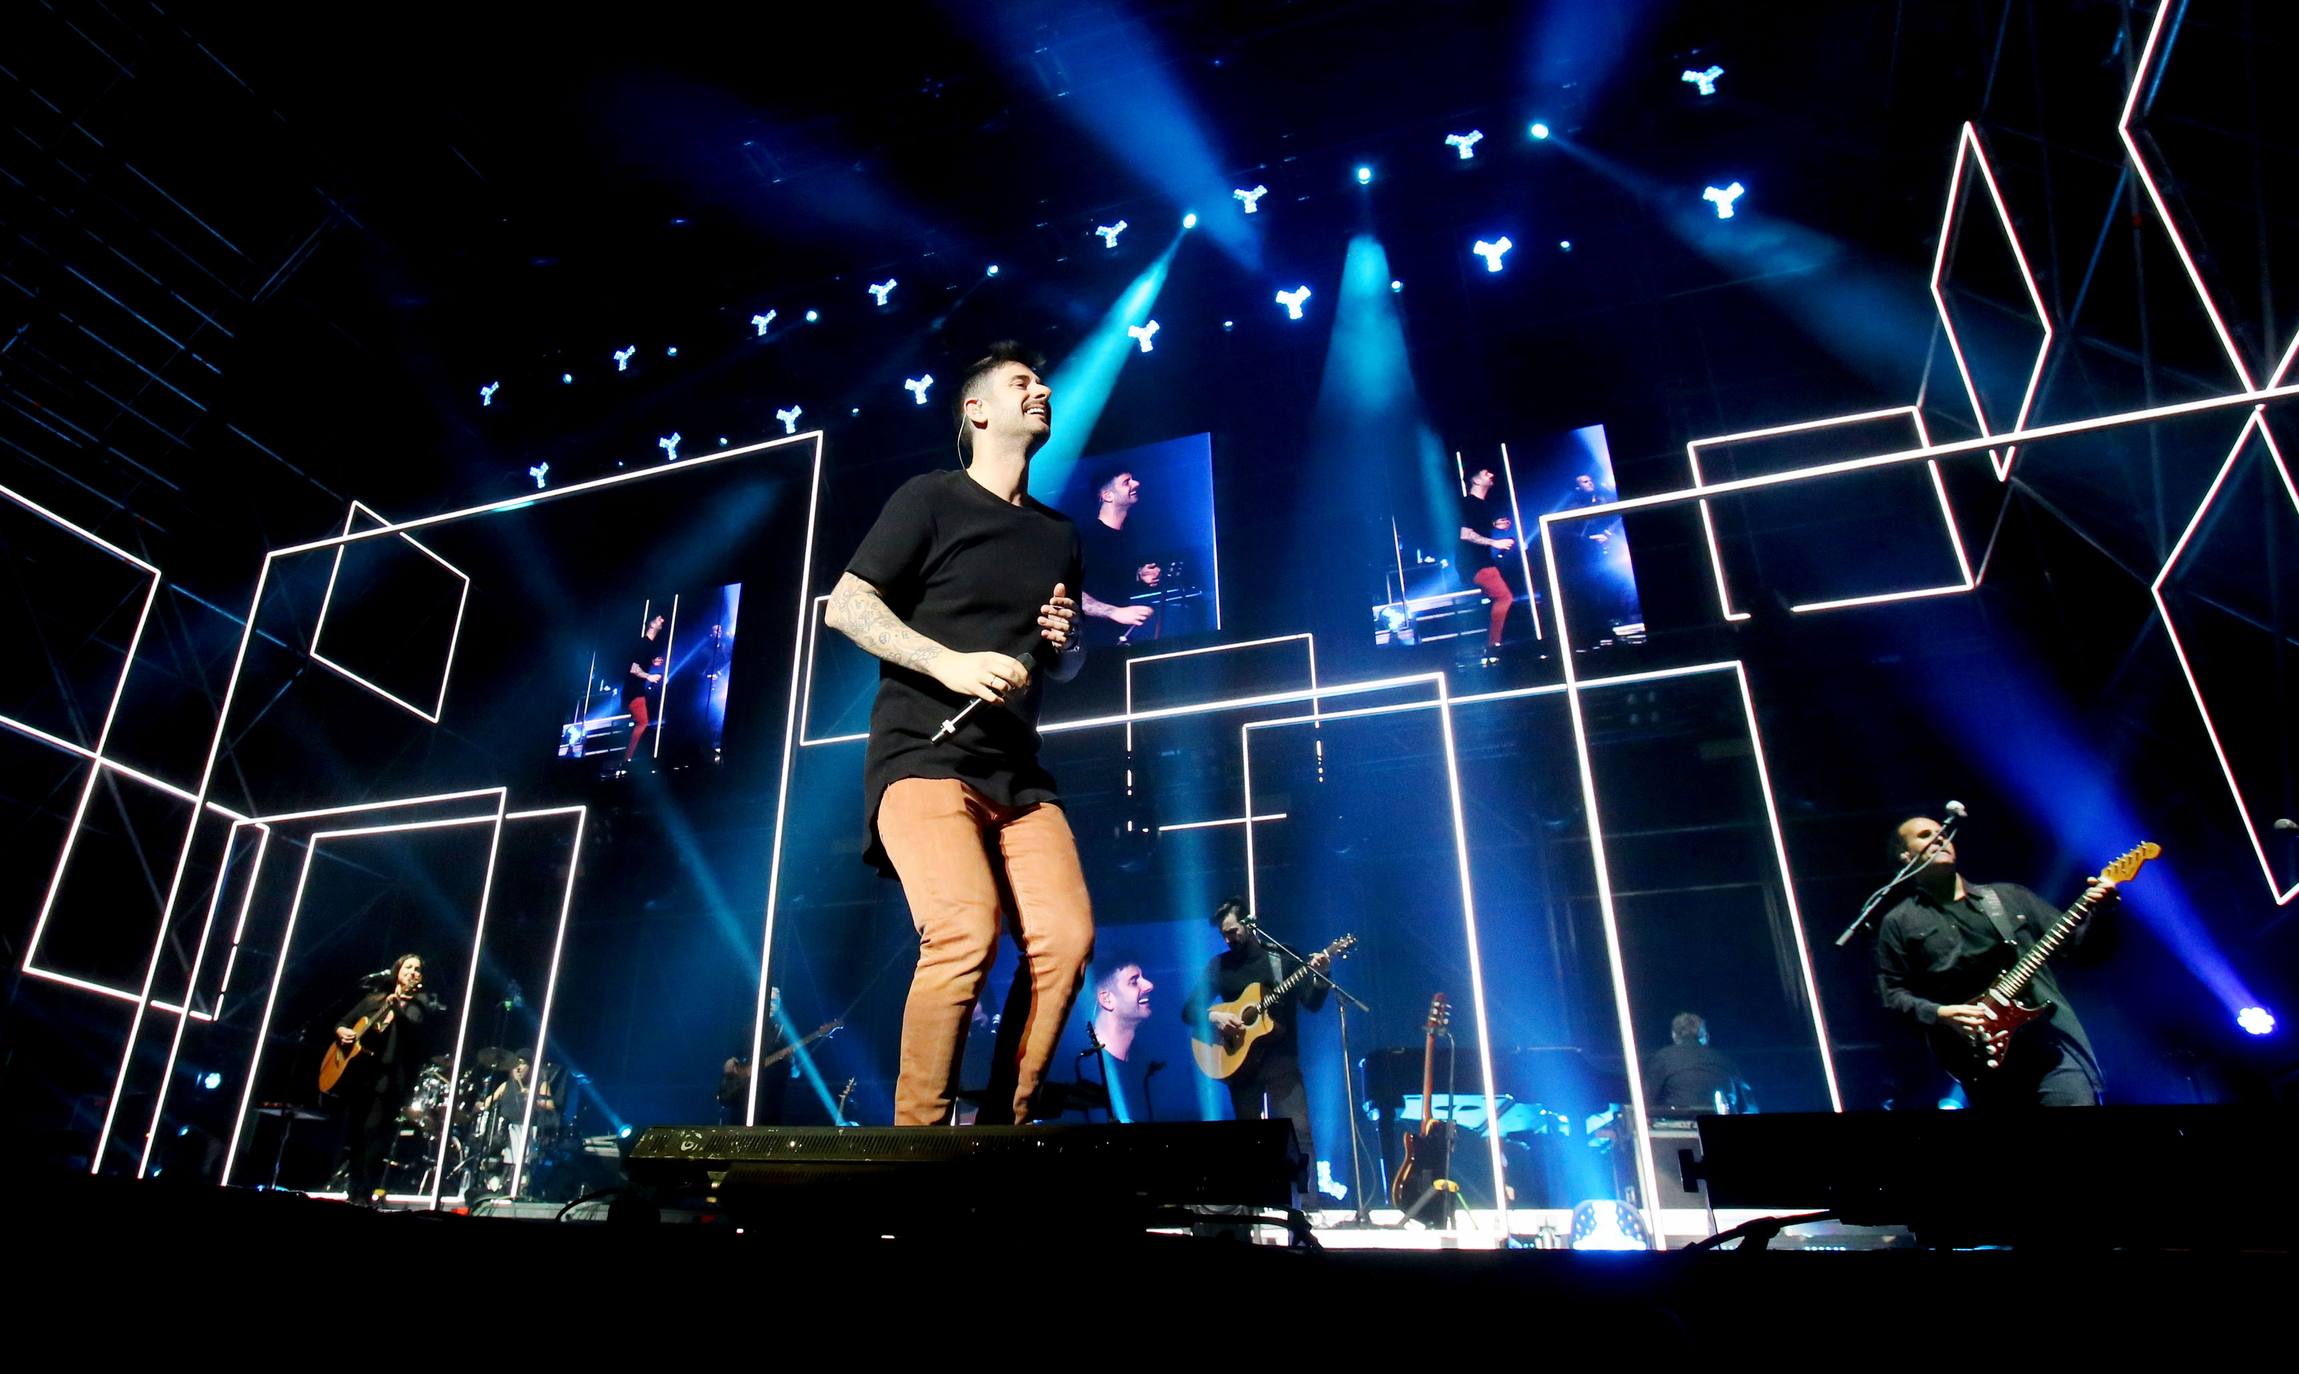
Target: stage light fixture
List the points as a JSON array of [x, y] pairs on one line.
[[2256, 1020], [789, 417], [1564, 245], [1142, 333], [879, 291], [1109, 233], [916, 386], [1291, 300], [211, 1080], [1722, 198], [541, 472], [993, 270], [487, 393], [1539, 130], [1395, 284], [1364, 176], [722, 441], [566, 379], [1465, 144], [623, 1133], [1252, 198], [1705, 81], [672, 351], [669, 444], [1189, 221], [623, 358], [760, 322], [1491, 252], [813, 315]]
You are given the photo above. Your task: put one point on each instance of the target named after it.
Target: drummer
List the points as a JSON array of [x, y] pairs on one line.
[[509, 1102]]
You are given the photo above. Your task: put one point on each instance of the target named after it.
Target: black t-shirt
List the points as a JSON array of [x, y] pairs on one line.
[[1111, 558], [968, 571], [1488, 516], [1688, 1074], [1930, 952], [648, 654]]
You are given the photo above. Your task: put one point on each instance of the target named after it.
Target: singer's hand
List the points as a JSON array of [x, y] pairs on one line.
[[991, 677], [1058, 618]]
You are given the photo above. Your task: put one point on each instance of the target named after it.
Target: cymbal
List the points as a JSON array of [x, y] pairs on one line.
[[495, 1057]]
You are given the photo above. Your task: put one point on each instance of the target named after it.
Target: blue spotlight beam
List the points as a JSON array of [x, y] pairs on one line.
[[1083, 381]]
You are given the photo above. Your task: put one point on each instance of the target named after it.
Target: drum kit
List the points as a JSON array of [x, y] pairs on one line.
[[483, 1142]]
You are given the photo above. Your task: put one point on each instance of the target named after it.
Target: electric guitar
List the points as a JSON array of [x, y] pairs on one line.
[[830, 1027], [1222, 1057], [339, 1054], [1428, 1151], [1972, 1055]]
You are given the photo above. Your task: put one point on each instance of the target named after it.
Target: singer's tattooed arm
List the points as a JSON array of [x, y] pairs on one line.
[[857, 611]]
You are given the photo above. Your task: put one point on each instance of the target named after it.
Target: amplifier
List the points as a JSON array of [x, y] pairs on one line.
[[892, 1181]]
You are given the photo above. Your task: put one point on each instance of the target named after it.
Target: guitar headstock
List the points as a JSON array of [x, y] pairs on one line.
[[2127, 865], [1440, 1015], [1340, 948]]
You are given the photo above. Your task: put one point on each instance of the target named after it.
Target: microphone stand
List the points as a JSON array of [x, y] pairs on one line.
[[1364, 1210], [1910, 869]]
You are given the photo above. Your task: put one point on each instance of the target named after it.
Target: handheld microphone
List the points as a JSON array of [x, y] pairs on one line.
[[1029, 663]]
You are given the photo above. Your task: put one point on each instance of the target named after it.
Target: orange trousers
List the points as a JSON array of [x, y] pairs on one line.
[[961, 857]]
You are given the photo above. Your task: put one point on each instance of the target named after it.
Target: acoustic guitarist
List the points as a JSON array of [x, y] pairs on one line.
[[1268, 1085], [1941, 946], [378, 1078]]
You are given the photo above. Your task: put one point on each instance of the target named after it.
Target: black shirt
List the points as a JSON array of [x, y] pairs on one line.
[[1110, 562], [1690, 1074], [1489, 516], [1930, 952], [382, 1044], [648, 655], [1226, 977], [968, 571]]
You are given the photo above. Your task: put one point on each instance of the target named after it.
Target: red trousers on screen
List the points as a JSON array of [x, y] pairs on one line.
[[1490, 582], [638, 707]]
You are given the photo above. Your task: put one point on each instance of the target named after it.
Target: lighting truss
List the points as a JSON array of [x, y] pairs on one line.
[[916, 386], [1722, 198], [669, 444], [1109, 233], [623, 357], [1704, 81], [1292, 301], [789, 417], [1142, 333], [487, 394], [1968, 143], [1491, 252], [1251, 199], [2257, 421], [319, 627], [879, 291], [1465, 144], [1915, 416], [760, 322]]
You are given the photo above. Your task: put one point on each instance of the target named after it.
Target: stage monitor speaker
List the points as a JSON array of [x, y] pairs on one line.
[[2171, 1177], [924, 1180]]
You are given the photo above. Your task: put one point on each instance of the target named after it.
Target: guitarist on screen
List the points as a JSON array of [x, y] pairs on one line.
[[1271, 1075], [381, 1033], [1937, 952]]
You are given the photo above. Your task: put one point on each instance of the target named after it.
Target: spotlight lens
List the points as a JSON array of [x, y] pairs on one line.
[[213, 1081], [1564, 245], [2256, 1020], [1229, 324], [1539, 130], [1364, 175], [1189, 221], [993, 269], [1396, 285], [624, 1133], [812, 316]]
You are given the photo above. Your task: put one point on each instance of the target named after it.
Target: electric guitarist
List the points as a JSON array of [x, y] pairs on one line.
[[1268, 1084], [1944, 946], [370, 1066]]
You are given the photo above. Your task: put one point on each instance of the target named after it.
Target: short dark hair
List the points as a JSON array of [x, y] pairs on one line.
[[1102, 481], [1898, 848], [970, 381], [1230, 906], [1685, 1026], [1107, 970]]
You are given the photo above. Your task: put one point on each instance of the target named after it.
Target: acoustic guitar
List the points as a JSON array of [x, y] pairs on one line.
[[1222, 1057], [1971, 1056], [339, 1055]]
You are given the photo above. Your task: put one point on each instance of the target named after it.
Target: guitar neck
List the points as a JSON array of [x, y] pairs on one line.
[[1285, 984], [2015, 979]]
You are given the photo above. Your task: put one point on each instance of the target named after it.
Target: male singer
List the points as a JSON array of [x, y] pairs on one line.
[[950, 590]]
